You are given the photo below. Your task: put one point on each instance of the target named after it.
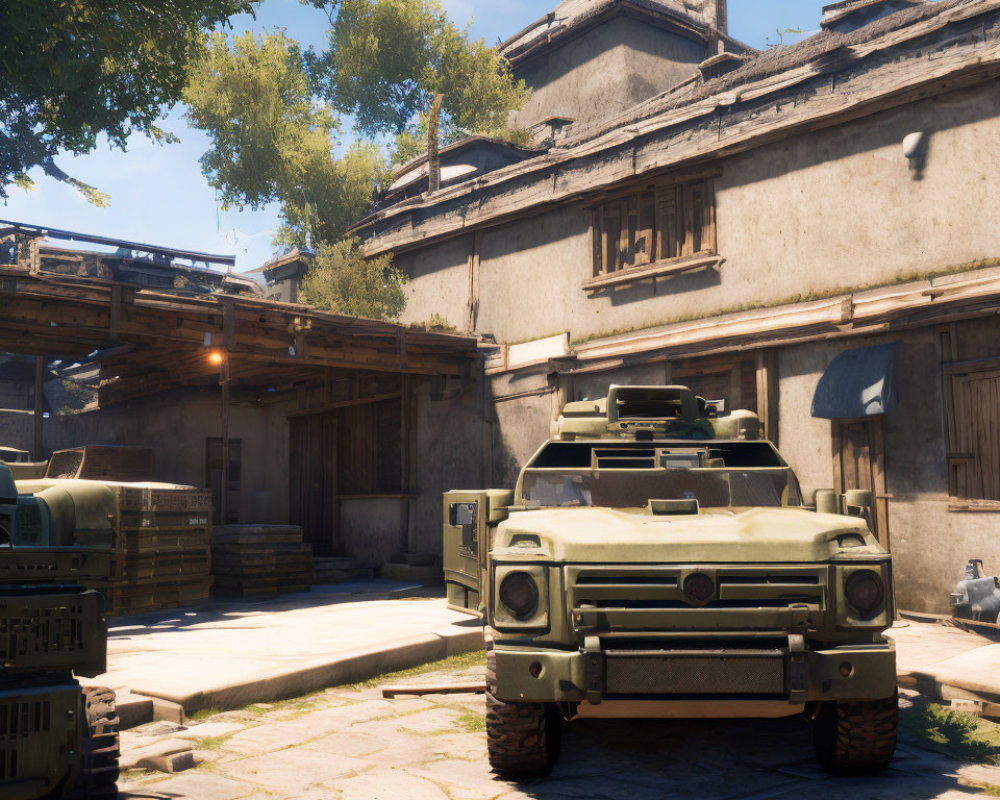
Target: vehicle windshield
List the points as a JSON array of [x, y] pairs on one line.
[[733, 475]]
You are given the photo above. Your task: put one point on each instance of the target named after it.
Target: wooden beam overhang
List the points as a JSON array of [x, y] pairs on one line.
[[875, 311], [149, 341]]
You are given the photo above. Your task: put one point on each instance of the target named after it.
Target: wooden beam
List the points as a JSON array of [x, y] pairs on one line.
[[38, 454]]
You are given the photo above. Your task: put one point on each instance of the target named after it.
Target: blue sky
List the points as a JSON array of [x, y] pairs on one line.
[[159, 196]]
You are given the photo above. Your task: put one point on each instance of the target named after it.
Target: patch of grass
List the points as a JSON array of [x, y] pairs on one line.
[[204, 713], [474, 658], [989, 789], [135, 774], [964, 736], [213, 742], [472, 722]]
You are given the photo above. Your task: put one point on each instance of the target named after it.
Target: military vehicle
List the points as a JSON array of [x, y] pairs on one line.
[[57, 739], [656, 560]]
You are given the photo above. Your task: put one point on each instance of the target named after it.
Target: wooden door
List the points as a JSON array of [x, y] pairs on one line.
[[859, 463], [314, 494]]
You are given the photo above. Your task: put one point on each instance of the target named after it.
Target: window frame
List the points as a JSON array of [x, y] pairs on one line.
[[962, 464], [655, 217]]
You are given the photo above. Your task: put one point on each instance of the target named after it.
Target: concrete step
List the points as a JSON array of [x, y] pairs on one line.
[[337, 569], [408, 572]]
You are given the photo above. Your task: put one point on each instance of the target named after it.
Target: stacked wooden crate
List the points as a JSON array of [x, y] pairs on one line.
[[102, 462], [260, 559], [163, 549]]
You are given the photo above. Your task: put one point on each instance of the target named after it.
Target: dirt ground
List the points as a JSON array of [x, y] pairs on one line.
[[348, 743]]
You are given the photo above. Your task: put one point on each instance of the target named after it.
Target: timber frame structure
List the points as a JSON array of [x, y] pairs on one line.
[[150, 341]]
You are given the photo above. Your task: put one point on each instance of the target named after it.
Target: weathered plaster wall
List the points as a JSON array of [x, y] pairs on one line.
[[452, 451], [177, 431], [373, 528], [439, 282], [930, 543], [824, 212], [17, 429], [606, 70]]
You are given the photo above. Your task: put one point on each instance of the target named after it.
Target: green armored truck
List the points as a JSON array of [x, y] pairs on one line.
[[656, 560], [57, 739]]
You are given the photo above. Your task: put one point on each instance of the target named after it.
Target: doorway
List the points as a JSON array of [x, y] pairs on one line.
[[859, 463]]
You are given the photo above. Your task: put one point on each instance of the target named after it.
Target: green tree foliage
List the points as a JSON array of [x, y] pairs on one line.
[[401, 65], [271, 140], [73, 69], [342, 282]]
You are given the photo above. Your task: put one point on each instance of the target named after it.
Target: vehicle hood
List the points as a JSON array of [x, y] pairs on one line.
[[729, 535]]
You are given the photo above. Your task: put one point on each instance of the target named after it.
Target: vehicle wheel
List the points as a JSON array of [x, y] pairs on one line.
[[522, 738], [856, 738], [100, 749]]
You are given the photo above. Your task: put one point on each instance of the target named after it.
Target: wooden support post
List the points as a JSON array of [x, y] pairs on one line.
[[39, 402], [474, 257], [115, 314], [224, 383], [404, 443], [768, 392]]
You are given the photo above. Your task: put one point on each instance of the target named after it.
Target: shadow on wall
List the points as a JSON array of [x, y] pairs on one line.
[[657, 287], [888, 129]]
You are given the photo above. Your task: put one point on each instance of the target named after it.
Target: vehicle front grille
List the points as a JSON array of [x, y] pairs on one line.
[[640, 598], [685, 672]]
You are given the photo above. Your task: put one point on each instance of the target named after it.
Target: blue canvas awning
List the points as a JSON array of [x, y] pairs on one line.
[[858, 383]]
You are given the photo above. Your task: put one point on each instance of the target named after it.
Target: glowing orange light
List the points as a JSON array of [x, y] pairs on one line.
[[215, 357]]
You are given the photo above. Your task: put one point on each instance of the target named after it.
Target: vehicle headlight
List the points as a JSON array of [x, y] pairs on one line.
[[864, 590], [519, 594]]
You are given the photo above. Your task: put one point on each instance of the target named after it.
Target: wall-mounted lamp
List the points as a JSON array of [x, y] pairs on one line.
[[915, 148], [913, 144], [216, 357]]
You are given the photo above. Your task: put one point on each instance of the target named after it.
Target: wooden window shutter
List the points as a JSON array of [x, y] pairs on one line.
[[611, 234], [599, 249], [974, 463], [646, 250], [667, 222]]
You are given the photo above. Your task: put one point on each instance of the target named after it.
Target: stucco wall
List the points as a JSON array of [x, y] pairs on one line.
[[824, 212], [605, 71], [17, 429], [439, 282], [452, 451], [930, 543], [177, 431]]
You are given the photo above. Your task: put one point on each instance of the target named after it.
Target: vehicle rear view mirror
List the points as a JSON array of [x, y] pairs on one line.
[[826, 501], [857, 502]]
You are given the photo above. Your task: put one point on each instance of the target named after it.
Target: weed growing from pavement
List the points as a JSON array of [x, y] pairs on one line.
[[964, 736], [989, 789], [204, 713], [462, 661], [213, 742]]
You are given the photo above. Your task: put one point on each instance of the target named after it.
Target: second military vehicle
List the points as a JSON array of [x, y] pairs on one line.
[[656, 560], [57, 739]]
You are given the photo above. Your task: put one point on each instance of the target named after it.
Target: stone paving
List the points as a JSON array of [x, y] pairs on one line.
[[347, 743]]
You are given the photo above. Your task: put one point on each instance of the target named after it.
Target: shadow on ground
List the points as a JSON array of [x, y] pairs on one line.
[[707, 759]]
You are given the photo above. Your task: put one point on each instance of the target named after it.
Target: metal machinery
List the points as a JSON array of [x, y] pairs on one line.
[[656, 559], [57, 739]]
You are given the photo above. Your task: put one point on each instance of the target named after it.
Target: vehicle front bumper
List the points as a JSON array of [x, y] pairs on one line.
[[794, 674]]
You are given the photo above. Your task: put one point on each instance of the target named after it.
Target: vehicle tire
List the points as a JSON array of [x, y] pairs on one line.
[[100, 747], [856, 738], [522, 738]]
